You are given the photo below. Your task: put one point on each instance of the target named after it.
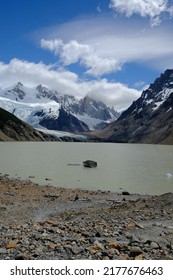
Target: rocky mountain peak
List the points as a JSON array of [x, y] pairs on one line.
[[97, 109], [152, 98], [17, 90], [165, 81], [44, 92], [41, 88], [85, 113], [19, 85], [150, 118]]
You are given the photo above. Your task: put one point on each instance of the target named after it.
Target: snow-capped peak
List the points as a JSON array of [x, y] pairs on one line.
[[34, 104]]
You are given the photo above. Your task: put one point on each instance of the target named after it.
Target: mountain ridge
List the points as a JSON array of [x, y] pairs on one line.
[[40, 106], [149, 119]]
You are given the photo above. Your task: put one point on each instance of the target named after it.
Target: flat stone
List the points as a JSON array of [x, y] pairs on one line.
[[68, 247], [113, 245], [135, 251], [139, 225], [86, 234], [20, 257], [96, 247], [11, 245], [154, 245], [51, 223], [52, 246], [77, 250], [139, 257], [2, 251]]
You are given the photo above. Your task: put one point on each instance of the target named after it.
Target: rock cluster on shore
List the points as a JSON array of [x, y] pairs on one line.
[[46, 223]]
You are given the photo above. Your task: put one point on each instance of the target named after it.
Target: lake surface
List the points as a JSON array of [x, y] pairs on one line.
[[137, 168]]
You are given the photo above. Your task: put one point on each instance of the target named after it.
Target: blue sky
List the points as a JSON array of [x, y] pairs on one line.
[[108, 49]]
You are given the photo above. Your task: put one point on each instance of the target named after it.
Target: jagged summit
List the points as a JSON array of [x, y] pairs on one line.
[[160, 86], [152, 98], [40, 107], [40, 88], [19, 85], [149, 119]]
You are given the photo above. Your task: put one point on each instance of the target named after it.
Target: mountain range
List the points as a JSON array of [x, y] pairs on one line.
[[44, 108], [149, 119]]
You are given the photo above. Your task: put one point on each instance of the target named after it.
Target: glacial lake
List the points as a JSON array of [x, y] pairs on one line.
[[137, 168]]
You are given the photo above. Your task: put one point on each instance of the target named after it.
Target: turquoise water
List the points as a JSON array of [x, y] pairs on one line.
[[137, 168]]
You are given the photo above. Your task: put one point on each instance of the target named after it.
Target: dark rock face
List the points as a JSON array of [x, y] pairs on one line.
[[64, 122], [95, 109], [149, 119]]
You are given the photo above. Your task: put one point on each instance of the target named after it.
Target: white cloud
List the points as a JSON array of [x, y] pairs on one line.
[[104, 45], [145, 8], [36, 73], [32, 74], [53, 45], [74, 52], [113, 94]]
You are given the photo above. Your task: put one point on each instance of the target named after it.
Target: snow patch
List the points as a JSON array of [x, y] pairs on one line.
[[157, 105], [27, 111], [91, 122]]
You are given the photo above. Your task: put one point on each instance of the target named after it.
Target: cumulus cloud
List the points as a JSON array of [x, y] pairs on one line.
[[104, 45], [74, 52], [36, 73], [113, 94], [32, 74], [145, 8], [53, 45]]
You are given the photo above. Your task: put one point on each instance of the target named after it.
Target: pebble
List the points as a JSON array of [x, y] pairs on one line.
[[40, 242], [100, 231], [154, 245], [77, 250], [135, 251]]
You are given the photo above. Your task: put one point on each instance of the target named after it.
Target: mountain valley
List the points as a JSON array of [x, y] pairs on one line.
[[148, 120]]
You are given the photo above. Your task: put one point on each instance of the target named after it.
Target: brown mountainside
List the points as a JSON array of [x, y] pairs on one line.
[[149, 119], [13, 129]]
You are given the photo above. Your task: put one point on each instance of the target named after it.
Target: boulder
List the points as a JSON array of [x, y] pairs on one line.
[[125, 193], [89, 163]]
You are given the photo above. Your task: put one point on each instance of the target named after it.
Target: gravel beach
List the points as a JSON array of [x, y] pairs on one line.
[[44, 222]]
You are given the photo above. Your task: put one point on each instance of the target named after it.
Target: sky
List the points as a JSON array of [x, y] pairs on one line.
[[110, 50]]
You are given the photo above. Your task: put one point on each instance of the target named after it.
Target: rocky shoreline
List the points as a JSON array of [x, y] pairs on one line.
[[44, 222]]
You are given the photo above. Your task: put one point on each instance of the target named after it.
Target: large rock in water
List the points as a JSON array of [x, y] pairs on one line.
[[89, 163]]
